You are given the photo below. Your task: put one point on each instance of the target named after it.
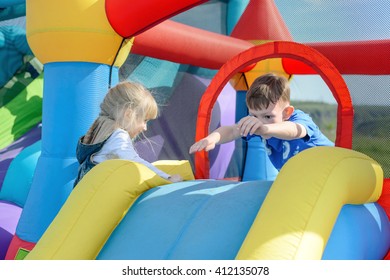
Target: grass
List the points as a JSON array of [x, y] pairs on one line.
[[324, 115], [371, 134]]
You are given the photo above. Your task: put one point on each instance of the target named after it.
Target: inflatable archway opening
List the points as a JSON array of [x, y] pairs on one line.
[[268, 50]]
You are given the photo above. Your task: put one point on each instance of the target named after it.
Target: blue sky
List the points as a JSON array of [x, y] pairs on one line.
[[338, 20]]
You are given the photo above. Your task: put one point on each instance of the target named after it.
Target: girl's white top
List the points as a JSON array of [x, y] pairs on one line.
[[120, 146]]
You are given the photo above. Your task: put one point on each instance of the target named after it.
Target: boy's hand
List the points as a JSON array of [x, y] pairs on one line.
[[249, 125], [204, 144]]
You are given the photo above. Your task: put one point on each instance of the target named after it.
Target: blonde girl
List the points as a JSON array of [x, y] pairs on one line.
[[124, 114]]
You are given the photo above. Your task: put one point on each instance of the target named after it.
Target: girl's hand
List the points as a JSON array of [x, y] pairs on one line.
[[175, 178]]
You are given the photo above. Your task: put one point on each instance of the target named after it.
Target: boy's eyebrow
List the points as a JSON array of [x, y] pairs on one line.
[[264, 114]]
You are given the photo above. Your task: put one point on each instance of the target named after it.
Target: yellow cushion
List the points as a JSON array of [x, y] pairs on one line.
[[97, 205]]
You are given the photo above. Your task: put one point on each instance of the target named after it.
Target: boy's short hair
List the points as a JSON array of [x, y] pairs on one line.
[[267, 89]]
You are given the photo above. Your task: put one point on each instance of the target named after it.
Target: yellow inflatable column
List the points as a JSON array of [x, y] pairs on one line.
[[76, 30], [97, 205], [301, 208]]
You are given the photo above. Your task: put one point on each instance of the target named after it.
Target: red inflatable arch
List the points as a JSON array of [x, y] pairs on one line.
[[278, 49]]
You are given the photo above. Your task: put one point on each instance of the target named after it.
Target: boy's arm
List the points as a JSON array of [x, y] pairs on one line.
[[286, 130], [221, 135]]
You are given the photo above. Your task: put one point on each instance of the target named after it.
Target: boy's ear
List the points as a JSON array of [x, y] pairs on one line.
[[287, 112]]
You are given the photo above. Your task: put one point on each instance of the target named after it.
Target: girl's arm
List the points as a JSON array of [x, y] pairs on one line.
[[120, 146]]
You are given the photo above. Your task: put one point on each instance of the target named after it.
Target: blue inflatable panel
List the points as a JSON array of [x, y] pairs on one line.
[[188, 220], [203, 220], [18, 179], [67, 114], [258, 165], [234, 11], [361, 232]]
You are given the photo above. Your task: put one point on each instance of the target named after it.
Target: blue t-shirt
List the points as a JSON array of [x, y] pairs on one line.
[[279, 151]]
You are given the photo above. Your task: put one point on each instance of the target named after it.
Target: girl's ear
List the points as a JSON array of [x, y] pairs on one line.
[[128, 113], [287, 112]]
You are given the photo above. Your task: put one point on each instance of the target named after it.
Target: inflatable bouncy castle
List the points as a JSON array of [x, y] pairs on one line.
[[325, 203]]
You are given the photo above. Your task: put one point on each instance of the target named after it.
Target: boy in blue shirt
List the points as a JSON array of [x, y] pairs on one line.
[[284, 130]]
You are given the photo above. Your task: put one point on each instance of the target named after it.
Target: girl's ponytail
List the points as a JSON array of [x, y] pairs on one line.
[[102, 128]]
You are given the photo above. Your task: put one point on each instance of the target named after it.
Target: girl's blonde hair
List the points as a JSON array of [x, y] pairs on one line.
[[126, 98], [267, 89]]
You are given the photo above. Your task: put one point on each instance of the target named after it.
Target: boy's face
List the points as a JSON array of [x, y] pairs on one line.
[[275, 113]]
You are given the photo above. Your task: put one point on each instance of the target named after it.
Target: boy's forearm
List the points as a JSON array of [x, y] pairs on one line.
[[225, 134], [286, 130]]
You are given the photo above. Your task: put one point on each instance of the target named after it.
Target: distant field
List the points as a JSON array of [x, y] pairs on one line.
[[377, 148], [324, 115], [371, 134]]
